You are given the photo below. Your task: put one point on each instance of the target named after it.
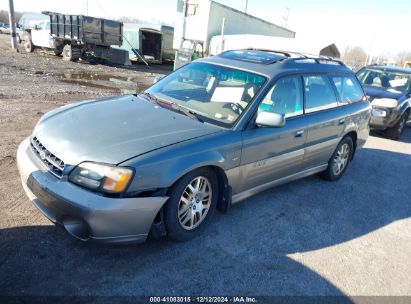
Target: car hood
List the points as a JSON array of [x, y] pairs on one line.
[[113, 130], [374, 92]]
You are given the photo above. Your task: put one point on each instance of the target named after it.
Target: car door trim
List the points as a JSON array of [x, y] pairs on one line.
[[246, 194]]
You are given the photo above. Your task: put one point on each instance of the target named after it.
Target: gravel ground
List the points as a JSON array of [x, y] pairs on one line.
[[310, 237]]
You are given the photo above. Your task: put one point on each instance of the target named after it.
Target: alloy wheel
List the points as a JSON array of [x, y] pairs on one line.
[[341, 159], [194, 203]]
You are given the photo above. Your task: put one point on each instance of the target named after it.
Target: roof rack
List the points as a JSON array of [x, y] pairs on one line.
[[300, 56], [287, 54]]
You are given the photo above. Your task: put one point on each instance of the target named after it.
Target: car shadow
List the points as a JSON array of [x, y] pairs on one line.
[[245, 251]]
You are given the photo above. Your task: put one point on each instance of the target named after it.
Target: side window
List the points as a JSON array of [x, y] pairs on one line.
[[319, 94], [285, 97], [348, 88]]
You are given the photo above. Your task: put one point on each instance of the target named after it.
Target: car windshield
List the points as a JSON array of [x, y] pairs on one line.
[[218, 94], [389, 80]]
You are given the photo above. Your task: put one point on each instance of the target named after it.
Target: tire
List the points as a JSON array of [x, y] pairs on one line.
[[58, 51], [340, 159], [191, 220], [394, 132], [71, 53], [28, 46]]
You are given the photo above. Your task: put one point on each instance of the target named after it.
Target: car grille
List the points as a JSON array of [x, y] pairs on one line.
[[54, 164]]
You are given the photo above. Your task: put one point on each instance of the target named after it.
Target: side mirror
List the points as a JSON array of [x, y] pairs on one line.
[[157, 79], [270, 119]]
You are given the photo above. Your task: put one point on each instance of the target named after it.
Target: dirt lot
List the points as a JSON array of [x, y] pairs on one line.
[[310, 237]]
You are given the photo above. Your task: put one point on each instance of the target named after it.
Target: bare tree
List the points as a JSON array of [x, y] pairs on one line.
[[4, 16], [355, 56], [403, 57]]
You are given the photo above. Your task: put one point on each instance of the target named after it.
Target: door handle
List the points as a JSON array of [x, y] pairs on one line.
[[299, 133], [341, 121]]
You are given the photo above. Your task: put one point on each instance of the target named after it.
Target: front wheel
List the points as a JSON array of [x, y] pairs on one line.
[[28, 46], [394, 132], [191, 204], [340, 159]]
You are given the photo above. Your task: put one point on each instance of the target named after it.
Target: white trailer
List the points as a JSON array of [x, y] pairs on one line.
[[202, 19]]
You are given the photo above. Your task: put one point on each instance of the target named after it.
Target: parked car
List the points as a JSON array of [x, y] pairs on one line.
[[5, 28], [212, 133], [389, 91]]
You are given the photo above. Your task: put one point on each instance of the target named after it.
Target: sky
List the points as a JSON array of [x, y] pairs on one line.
[[381, 27]]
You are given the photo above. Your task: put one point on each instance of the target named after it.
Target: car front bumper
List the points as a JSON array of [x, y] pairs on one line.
[[84, 214], [383, 122]]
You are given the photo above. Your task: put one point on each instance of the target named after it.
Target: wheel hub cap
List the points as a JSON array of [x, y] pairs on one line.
[[341, 159], [194, 203]]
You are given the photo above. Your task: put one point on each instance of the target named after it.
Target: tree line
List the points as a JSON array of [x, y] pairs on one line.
[[4, 16], [356, 57]]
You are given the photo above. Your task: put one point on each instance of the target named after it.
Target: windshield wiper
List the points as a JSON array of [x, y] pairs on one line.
[[175, 106]]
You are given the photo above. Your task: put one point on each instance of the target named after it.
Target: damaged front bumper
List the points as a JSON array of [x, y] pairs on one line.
[[85, 214]]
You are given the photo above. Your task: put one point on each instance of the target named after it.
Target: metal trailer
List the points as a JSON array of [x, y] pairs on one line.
[[149, 43], [202, 19], [77, 35]]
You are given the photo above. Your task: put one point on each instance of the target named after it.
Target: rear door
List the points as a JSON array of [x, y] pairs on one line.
[[327, 120], [272, 153]]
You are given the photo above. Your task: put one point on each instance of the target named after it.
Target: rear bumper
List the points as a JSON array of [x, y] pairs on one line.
[[84, 214]]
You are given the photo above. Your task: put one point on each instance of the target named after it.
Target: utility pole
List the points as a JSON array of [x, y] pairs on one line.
[[12, 26], [287, 15], [246, 6], [185, 5]]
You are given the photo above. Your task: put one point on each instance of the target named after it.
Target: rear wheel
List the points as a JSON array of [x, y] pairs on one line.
[[191, 204], [339, 160], [395, 131], [58, 51], [71, 53]]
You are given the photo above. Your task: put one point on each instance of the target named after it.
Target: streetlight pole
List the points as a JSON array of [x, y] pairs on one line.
[[246, 5], [12, 26]]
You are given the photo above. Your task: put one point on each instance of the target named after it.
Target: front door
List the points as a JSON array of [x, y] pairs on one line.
[[272, 153], [41, 36]]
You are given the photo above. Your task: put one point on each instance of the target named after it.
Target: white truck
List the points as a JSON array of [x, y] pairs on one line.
[[39, 36], [74, 36]]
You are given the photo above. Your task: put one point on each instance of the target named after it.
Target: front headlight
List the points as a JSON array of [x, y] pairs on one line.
[[379, 113], [388, 103], [103, 178]]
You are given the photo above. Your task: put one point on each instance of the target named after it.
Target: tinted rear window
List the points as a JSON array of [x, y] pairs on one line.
[[319, 94], [348, 88]]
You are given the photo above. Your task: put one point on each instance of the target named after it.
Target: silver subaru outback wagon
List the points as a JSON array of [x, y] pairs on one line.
[[210, 134]]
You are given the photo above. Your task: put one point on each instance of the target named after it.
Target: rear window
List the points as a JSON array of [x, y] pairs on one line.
[[348, 88], [319, 94]]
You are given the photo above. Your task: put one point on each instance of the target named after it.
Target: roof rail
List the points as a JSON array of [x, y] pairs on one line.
[[287, 54], [319, 59], [300, 56]]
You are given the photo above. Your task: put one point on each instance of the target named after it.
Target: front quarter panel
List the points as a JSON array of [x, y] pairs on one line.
[[162, 168]]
